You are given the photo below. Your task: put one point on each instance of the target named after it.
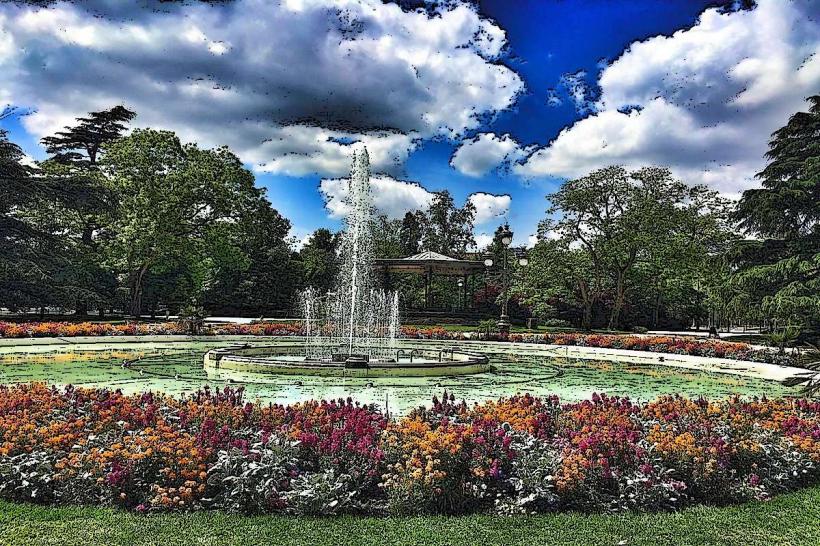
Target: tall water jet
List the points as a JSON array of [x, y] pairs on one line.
[[357, 318]]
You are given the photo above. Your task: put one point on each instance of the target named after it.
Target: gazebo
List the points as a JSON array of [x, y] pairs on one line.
[[428, 264]]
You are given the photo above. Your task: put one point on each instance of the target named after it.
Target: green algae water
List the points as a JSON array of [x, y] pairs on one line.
[[175, 367]]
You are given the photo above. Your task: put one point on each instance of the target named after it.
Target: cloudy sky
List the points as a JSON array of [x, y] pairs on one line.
[[495, 101]]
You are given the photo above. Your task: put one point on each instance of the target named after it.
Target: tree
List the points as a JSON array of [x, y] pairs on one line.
[[386, 235], [33, 258], [782, 268], [411, 233], [256, 273], [675, 265], [173, 198], [623, 220], [81, 144], [75, 152], [560, 276], [447, 229], [17, 254], [320, 261]]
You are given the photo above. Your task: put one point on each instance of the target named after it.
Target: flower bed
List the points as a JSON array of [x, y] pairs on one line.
[[213, 450], [75, 329], [660, 344]]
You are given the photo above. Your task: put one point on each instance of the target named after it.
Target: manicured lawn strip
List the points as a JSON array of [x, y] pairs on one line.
[[788, 519]]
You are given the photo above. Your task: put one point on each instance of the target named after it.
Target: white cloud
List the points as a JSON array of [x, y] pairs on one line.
[[395, 198], [298, 150], [489, 207], [28, 161], [703, 101], [483, 240], [390, 196], [299, 237], [287, 85], [485, 152], [579, 91]]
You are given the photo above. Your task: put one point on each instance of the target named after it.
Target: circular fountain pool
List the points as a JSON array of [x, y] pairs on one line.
[[291, 360], [176, 367]]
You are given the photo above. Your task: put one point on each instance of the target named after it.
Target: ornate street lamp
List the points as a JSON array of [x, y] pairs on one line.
[[504, 322]]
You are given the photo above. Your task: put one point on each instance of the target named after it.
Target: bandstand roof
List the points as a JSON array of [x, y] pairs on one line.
[[429, 262]]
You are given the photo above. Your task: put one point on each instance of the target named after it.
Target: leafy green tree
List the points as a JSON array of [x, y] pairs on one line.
[[448, 229], [33, 258], [782, 267], [698, 232], [411, 233], [320, 261], [625, 220], [82, 144], [18, 253], [257, 272], [386, 235], [172, 199], [558, 276]]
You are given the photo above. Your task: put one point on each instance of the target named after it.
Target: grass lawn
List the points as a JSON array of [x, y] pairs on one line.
[[789, 519]]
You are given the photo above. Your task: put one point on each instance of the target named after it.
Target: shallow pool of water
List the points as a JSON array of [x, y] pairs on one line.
[[176, 368]]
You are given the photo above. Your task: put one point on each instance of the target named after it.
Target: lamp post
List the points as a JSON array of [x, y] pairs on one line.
[[504, 322]]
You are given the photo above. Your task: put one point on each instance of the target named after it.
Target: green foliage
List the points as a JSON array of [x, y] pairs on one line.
[[172, 199], [784, 337], [81, 144], [35, 256], [487, 327], [447, 229], [809, 359], [620, 232], [782, 270], [387, 238], [410, 233], [319, 259]]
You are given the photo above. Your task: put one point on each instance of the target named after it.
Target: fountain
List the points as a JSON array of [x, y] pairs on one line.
[[357, 320], [353, 329]]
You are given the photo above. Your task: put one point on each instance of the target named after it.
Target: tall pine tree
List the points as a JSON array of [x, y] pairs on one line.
[[783, 267], [75, 154]]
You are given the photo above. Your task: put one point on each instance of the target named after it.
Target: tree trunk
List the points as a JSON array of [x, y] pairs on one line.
[[615, 316], [136, 290], [81, 309], [586, 320], [657, 311], [586, 323]]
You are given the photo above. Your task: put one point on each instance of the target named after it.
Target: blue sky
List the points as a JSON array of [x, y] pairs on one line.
[[546, 40], [288, 86]]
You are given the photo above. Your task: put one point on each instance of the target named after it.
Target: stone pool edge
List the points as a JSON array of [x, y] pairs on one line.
[[744, 368]]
